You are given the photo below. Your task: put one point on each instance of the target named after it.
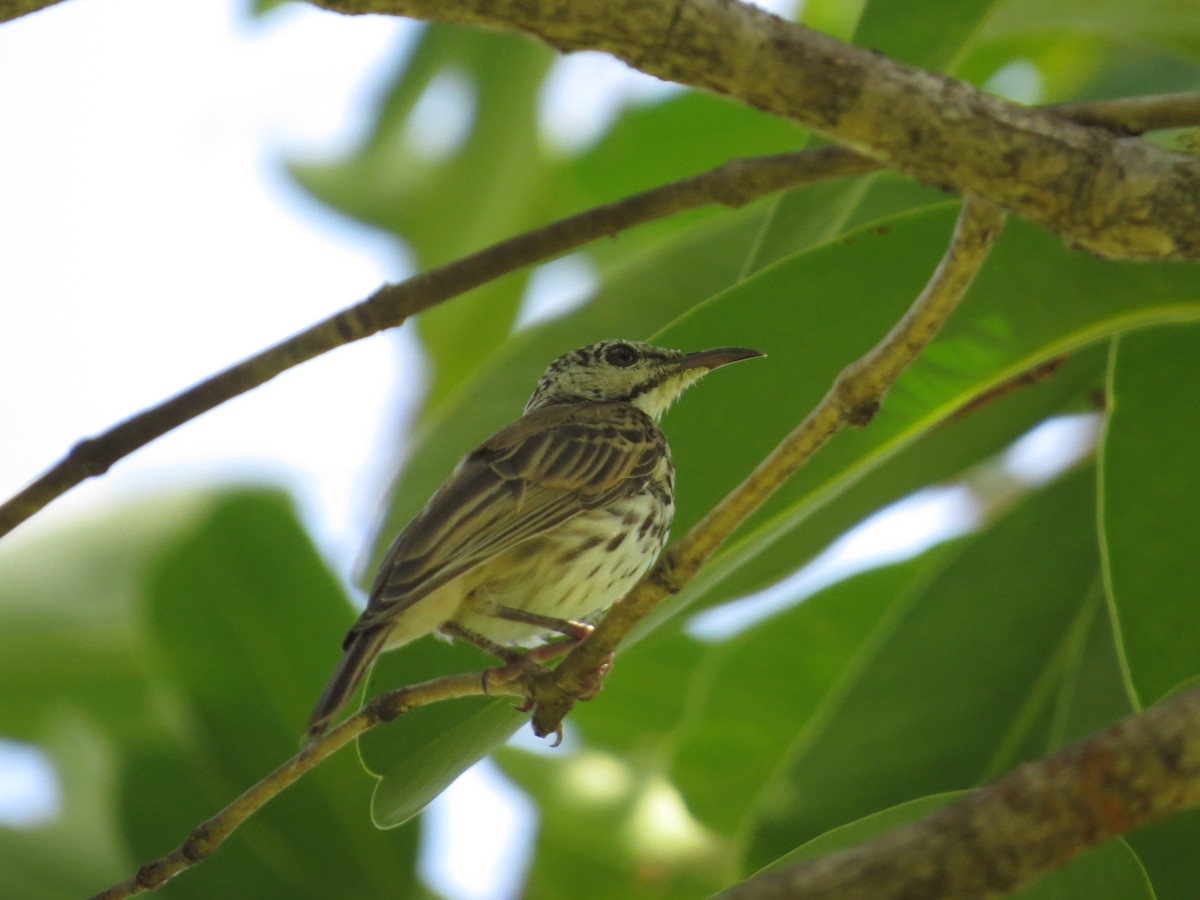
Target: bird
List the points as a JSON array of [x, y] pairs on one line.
[[545, 524]]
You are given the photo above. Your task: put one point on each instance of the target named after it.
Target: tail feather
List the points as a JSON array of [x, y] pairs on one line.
[[361, 648]]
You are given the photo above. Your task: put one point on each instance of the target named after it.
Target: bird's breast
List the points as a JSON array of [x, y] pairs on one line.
[[578, 569]]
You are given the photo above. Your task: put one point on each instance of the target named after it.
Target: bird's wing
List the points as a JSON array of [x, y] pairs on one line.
[[529, 477]]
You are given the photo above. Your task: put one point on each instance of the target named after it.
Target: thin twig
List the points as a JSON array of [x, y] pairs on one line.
[[732, 184], [1002, 837], [853, 400], [209, 835]]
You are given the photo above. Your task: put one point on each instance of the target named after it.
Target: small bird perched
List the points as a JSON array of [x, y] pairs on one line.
[[551, 520]]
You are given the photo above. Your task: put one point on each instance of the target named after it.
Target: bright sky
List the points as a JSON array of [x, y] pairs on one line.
[[150, 239]]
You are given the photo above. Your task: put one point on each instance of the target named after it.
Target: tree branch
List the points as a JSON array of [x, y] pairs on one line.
[[853, 400], [732, 184], [1005, 835], [209, 835], [855, 397], [1116, 197], [14, 9]]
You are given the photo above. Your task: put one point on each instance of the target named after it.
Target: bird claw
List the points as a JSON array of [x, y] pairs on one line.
[[594, 684]]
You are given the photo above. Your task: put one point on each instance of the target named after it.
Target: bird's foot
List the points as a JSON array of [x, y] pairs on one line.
[[593, 683]]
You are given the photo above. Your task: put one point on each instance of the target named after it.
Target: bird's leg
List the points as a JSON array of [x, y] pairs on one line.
[[576, 631], [508, 655], [516, 664]]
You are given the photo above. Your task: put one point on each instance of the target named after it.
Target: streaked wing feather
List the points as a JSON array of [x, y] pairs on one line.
[[528, 478]]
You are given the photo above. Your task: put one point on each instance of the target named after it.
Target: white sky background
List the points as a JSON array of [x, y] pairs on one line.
[[148, 239]]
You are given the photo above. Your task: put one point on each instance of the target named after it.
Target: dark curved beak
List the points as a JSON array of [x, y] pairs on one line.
[[714, 359]]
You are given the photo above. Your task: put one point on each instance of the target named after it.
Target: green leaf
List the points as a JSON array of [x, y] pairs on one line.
[[79, 852], [1172, 25], [613, 827], [817, 311], [927, 34], [498, 173], [973, 659], [238, 613], [757, 693], [1150, 486], [69, 635], [1167, 849]]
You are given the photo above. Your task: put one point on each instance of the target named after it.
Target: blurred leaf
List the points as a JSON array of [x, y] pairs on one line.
[[81, 848], [1151, 506], [1169, 24], [493, 184], [611, 827], [236, 611], [865, 829], [419, 754], [927, 34], [69, 634]]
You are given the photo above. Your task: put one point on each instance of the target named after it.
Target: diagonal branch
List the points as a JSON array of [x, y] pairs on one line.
[[1113, 196], [733, 184], [1003, 836], [853, 400]]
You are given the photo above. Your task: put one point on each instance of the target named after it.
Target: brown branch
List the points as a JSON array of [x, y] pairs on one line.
[[209, 835], [1005, 835], [1113, 196], [14, 9], [734, 183], [853, 400]]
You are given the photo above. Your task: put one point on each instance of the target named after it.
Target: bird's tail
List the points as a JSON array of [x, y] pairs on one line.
[[360, 651]]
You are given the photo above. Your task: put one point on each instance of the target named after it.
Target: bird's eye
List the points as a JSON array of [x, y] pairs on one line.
[[621, 355]]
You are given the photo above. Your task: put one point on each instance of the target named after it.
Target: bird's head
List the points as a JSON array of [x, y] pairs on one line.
[[648, 377]]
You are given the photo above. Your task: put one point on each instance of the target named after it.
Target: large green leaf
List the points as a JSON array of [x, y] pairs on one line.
[[69, 634], [240, 615], [955, 686], [927, 34], [819, 310], [757, 692], [1173, 25], [498, 173], [1150, 486]]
